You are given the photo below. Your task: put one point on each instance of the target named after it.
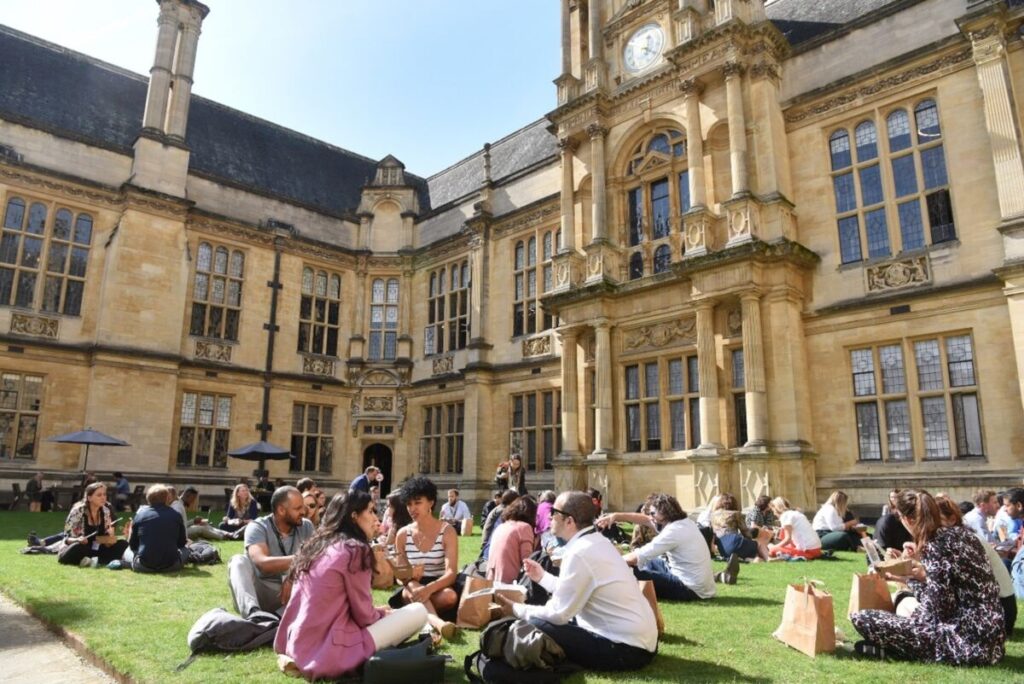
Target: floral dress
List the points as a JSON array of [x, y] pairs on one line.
[[959, 620]]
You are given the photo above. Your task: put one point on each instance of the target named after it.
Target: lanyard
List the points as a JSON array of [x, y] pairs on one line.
[[280, 542]]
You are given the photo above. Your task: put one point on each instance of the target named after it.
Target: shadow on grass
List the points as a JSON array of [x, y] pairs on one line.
[[64, 613], [743, 601], [667, 668], [677, 640]]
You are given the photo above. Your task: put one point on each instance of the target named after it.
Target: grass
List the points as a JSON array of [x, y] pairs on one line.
[[139, 623]]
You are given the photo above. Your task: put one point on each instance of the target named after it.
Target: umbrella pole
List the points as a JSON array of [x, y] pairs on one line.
[[85, 466]]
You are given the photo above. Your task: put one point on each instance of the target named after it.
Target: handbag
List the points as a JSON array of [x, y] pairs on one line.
[[409, 662], [869, 592], [808, 620], [383, 573]]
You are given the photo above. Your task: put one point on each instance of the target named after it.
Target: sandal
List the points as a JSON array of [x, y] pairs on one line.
[[866, 649]]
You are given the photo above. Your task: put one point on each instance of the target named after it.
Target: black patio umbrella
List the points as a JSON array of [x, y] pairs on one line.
[[88, 437], [261, 451]]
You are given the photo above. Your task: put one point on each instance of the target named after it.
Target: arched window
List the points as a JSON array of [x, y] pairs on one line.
[[657, 190], [384, 319], [217, 292], [448, 311], [526, 289], [31, 250], [867, 203], [662, 259], [319, 312], [636, 265]]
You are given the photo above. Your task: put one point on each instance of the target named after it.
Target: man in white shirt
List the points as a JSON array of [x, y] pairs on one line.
[[455, 511], [596, 612], [985, 506]]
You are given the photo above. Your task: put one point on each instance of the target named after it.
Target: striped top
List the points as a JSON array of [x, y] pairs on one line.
[[432, 560]]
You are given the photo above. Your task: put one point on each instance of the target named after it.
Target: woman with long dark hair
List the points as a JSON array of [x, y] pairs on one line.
[[513, 541], [330, 626], [959, 619], [90, 538]]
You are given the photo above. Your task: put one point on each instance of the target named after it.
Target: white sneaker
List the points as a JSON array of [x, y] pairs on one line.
[[88, 562]]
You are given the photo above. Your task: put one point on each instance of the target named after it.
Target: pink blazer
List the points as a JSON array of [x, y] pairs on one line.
[[324, 625], [511, 543]]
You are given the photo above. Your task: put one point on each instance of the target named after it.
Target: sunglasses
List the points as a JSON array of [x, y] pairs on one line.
[[561, 513]]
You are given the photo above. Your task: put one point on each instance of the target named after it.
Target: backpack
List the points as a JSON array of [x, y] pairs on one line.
[[203, 553], [536, 595], [513, 651], [219, 630]]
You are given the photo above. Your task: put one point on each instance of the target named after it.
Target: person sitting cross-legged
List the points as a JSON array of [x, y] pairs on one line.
[[242, 509], [90, 537], [677, 560], [256, 578], [796, 536], [157, 542], [596, 612]]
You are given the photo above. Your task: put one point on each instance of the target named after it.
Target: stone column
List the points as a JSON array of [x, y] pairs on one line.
[[181, 98], [567, 147], [707, 363], [160, 74], [753, 370], [737, 127], [989, 47], [566, 40], [603, 437], [570, 392], [594, 15], [477, 260], [597, 173], [694, 142]]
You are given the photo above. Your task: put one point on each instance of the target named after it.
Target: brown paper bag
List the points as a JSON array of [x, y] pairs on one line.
[[808, 621], [869, 592], [474, 612], [895, 566], [467, 527], [383, 573], [647, 589]]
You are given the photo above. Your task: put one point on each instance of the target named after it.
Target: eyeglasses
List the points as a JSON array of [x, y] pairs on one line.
[[561, 513]]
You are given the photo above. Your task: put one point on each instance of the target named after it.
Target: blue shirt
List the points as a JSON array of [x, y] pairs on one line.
[[157, 534], [361, 483]]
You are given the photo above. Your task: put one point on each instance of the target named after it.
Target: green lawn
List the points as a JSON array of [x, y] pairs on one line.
[[139, 623]]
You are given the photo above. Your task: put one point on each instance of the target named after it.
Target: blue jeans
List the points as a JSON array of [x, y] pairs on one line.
[[1017, 571], [667, 587]]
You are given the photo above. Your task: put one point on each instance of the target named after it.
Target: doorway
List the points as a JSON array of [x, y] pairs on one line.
[[379, 455]]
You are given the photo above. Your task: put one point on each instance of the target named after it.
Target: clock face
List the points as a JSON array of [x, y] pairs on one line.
[[644, 47]]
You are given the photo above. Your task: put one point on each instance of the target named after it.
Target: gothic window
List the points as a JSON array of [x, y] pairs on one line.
[[889, 193], [203, 430], [441, 444], [657, 194], [35, 248], [21, 398], [532, 278], [312, 438], [536, 433], [217, 292], [319, 312], [936, 414], [383, 319], [447, 309], [662, 398]]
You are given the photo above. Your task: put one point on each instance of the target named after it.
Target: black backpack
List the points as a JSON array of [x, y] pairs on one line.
[[219, 630], [489, 664], [203, 553], [536, 595]]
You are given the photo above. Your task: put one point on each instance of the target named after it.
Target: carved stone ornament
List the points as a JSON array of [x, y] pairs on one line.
[[734, 323], [318, 365], [402, 410], [595, 130], [691, 86], [378, 378], [661, 334], [595, 265], [894, 275], [742, 222], [696, 231], [378, 404], [443, 364], [213, 351], [537, 346], [37, 326]]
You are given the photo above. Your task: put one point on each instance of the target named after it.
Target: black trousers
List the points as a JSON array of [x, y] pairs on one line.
[[73, 554], [593, 652]]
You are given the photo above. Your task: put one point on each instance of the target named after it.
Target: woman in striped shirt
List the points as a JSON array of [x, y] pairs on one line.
[[431, 547]]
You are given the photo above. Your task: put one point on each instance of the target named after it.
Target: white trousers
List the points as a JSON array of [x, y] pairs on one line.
[[401, 624]]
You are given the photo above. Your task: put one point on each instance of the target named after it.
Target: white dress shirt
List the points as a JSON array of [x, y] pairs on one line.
[[598, 589], [458, 512], [828, 518], [685, 552], [977, 521]]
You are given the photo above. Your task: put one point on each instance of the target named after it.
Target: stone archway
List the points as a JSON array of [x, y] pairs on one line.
[[379, 455]]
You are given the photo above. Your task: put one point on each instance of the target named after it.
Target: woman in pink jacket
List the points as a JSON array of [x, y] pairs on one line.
[[330, 626]]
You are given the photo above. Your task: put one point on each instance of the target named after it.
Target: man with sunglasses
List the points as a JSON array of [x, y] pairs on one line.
[[596, 612]]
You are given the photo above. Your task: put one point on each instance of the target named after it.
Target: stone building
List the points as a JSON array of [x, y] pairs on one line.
[[765, 247]]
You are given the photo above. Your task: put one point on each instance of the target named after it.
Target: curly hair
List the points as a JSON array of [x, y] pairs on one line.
[[668, 507], [338, 526], [417, 487]]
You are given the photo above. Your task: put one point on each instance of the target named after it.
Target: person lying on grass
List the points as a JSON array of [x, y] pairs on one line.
[[959, 619], [796, 536], [330, 626]]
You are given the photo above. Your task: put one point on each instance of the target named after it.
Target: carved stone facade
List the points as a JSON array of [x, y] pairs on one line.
[[894, 275], [213, 351], [36, 326]]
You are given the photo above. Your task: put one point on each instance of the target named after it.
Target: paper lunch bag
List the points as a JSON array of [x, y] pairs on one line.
[[869, 592], [383, 573], [808, 620]]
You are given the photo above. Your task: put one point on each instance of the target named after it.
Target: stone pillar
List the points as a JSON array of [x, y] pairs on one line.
[[989, 47], [477, 259], [603, 434], [181, 98], [737, 127], [356, 338], [566, 40], [753, 370], [771, 150], [570, 392], [594, 15], [567, 147], [707, 363], [694, 142], [155, 117], [597, 174]]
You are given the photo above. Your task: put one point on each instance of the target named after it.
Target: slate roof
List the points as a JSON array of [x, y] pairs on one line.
[[801, 21]]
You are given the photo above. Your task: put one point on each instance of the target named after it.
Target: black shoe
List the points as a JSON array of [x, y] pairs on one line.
[[33, 540], [866, 649]]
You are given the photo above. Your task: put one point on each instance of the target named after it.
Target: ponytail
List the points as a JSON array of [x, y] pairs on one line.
[[922, 512]]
